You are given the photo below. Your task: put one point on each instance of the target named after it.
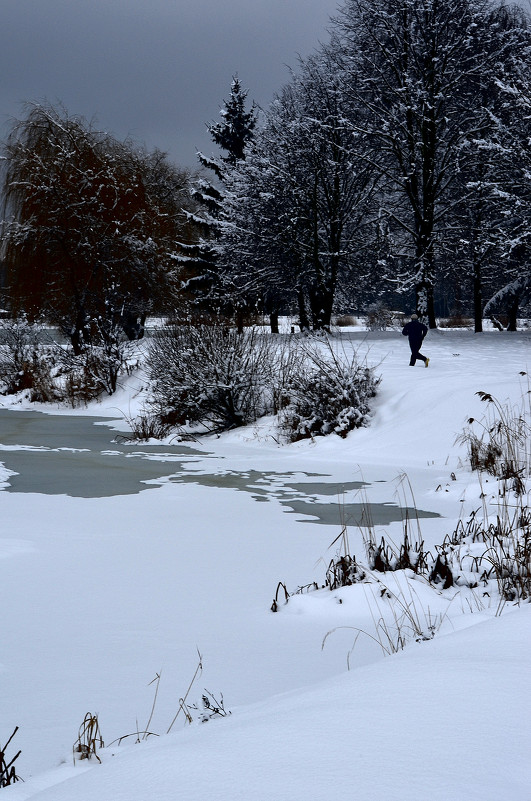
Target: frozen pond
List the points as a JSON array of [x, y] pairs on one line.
[[84, 457], [71, 455]]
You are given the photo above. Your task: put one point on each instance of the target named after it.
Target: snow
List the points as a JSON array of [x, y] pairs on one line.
[[101, 594]]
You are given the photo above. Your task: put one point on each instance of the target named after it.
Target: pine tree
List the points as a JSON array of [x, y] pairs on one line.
[[233, 135], [237, 127]]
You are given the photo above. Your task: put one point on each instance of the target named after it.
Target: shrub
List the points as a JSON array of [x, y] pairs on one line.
[[379, 317], [148, 425], [53, 373], [456, 321], [211, 375], [25, 361], [89, 375], [345, 321], [330, 393], [214, 376], [97, 368]]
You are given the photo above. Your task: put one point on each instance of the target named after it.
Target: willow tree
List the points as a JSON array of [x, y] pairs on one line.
[[89, 225]]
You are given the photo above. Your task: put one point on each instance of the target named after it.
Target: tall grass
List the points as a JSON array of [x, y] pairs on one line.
[[486, 554], [89, 739], [398, 618], [500, 442], [8, 775]]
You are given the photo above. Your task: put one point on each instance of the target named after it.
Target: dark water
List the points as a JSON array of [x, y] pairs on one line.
[[84, 457]]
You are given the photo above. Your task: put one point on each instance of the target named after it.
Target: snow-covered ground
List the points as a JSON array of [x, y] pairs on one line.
[[99, 595]]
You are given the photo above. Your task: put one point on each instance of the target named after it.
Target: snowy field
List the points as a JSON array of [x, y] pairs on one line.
[[99, 595]]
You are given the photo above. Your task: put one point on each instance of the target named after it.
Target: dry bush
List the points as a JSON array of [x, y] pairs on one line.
[[82, 384], [96, 369], [456, 321], [26, 363], [379, 317], [148, 425], [345, 321], [211, 375], [329, 393], [30, 361]]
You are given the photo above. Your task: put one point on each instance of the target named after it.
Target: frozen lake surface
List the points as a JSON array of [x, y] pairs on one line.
[[85, 457]]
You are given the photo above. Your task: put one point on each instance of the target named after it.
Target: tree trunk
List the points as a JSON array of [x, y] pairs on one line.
[[425, 271], [512, 313], [75, 339], [478, 299], [426, 304], [321, 302], [304, 322], [79, 333], [273, 322]]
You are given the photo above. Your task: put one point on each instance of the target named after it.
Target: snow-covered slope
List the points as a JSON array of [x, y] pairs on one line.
[[443, 720], [101, 594]]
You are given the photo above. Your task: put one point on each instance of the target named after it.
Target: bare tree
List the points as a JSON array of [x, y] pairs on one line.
[[297, 207], [416, 74], [90, 225]]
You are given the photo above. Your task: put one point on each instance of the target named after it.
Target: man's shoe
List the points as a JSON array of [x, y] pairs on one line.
[[427, 362]]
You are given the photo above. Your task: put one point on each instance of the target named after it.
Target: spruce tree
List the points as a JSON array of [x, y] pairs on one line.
[[236, 129], [232, 134]]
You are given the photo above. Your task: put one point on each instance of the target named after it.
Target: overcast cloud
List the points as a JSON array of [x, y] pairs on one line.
[[156, 70]]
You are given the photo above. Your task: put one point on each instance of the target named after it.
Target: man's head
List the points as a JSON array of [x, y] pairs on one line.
[[414, 317]]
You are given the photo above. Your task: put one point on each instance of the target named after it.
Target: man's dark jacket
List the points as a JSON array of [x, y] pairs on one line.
[[416, 331]]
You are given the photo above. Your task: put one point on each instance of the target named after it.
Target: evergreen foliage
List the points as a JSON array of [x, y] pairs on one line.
[[236, 129], [233, 134], [297, 209]]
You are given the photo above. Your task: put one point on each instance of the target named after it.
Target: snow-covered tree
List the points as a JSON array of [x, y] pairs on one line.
[[236, 129], [416, 75], [488, 208], [512, 187], [296, 207], [90, 225], [233, 135]]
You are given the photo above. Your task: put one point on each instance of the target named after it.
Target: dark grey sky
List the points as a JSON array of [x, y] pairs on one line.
[[157, 70]]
